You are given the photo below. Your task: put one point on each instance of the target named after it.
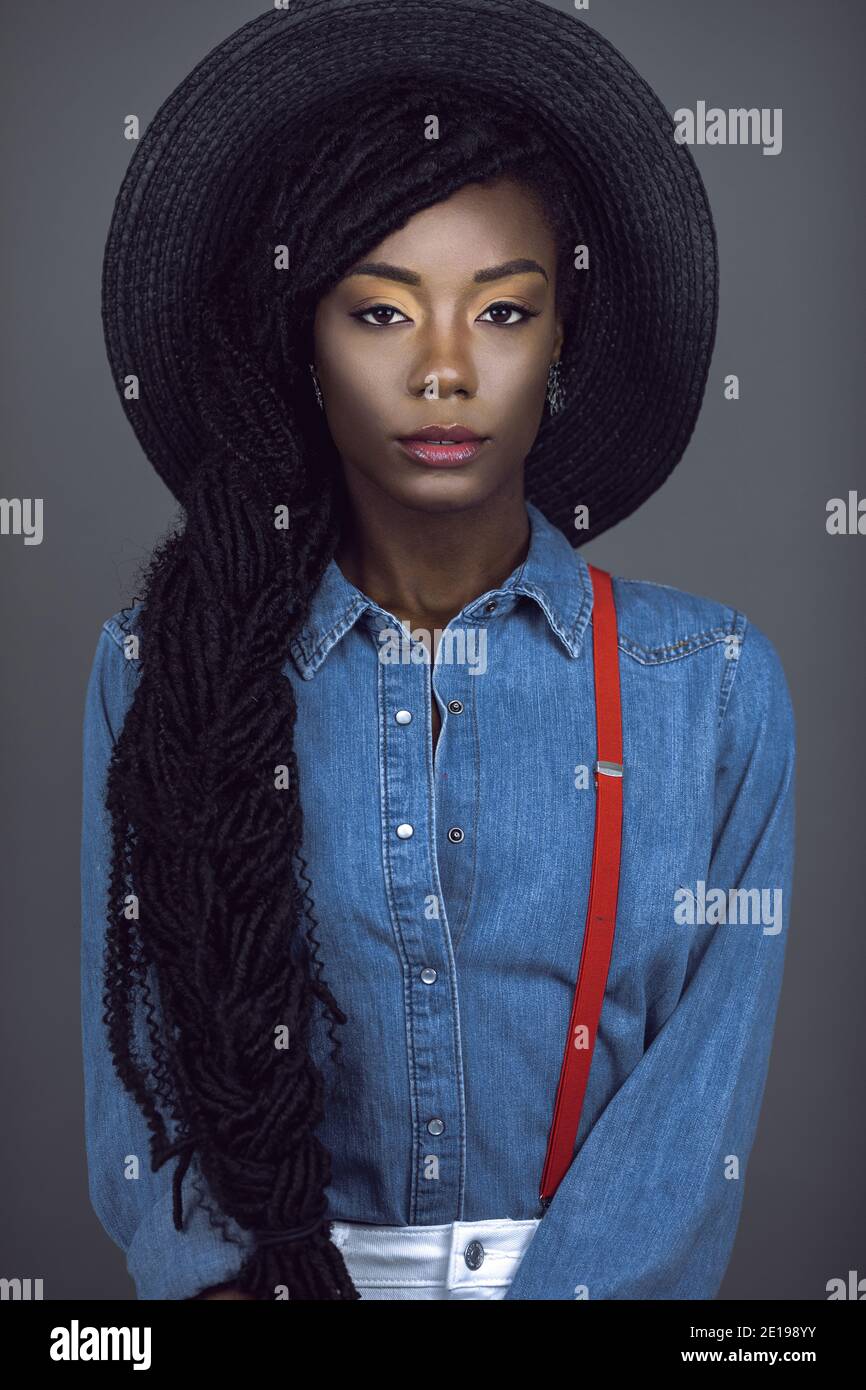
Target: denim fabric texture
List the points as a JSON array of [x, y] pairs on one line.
[[453, 949]]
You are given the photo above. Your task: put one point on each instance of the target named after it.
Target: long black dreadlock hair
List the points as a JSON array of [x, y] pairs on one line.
[[222, 949]]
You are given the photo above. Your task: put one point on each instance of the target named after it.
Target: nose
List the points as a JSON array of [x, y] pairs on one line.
[[442, 366]]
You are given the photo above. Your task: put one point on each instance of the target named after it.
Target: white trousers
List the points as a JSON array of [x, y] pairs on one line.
[[462, 1259]]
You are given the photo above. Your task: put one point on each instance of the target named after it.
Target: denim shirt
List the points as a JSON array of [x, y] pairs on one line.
[[450, 888]]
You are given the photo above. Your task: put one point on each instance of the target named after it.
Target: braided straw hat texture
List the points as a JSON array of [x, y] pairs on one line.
[[636, 364]]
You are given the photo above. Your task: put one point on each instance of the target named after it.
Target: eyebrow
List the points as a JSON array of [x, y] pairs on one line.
[[384, 271]]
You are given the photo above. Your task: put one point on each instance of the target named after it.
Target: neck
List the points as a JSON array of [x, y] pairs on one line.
[[427, 565]]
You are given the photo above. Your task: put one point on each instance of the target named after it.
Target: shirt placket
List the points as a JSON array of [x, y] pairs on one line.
[[423, 937], [457, 769]]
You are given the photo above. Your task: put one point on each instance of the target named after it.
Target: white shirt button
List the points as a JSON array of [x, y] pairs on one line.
[[435, 1126], [405, 832], [403, 716], [428, 975]]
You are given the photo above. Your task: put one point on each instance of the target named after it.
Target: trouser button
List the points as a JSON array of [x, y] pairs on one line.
[[474, 1254]]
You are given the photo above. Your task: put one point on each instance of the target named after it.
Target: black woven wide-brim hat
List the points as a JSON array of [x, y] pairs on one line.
[[634, 379]]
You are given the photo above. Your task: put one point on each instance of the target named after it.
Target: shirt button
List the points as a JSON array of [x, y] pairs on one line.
[[455, 834], [474, 1254], [489, 607], [435, 1126], [403, 716], [428, 975], [405, 832], [455, 706]]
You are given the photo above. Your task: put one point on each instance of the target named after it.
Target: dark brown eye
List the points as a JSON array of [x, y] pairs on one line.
[[361, 315], [506, 307]]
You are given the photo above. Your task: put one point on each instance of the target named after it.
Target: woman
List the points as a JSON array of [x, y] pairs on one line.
[[339, 801]]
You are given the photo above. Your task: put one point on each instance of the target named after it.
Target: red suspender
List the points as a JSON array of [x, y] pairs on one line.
[[603, 891]]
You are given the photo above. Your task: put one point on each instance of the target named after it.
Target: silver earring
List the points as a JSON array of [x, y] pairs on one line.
[[555, 388], [317, 387]]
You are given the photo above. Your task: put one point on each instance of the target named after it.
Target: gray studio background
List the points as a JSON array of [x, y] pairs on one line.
[[740, 520]]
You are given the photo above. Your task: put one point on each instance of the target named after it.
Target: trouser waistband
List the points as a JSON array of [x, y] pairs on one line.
[[458, 1256]]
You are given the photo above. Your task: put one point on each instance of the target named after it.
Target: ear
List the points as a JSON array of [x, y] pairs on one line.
[[559, 339]]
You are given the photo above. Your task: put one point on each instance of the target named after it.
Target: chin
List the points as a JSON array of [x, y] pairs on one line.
[[445, 494]]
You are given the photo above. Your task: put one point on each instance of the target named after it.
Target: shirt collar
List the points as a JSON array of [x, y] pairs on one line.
[[554, 574]]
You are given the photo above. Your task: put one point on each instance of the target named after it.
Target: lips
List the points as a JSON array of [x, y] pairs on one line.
[[445, 434], [443, 446]]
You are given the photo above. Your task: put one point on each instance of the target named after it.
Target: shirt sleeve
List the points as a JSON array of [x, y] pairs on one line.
[[649, 1207], [133, 1203]]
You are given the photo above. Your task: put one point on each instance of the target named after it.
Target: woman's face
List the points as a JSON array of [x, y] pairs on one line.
[[441, 306]]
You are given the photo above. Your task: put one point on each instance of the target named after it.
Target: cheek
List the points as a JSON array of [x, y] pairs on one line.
[[355, 386], [518, 364], [520, 389], [346, 365]]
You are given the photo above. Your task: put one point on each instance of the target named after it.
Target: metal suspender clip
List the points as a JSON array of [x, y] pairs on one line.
[[609, 769]]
